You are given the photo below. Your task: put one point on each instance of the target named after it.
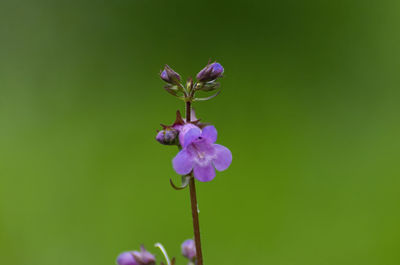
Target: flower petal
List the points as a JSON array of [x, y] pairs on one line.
[[183, 162], [224, 157], [204, 173], [190, 136], [210, 133]]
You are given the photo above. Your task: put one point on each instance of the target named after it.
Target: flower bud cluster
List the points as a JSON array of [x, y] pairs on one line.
[[206, 81]]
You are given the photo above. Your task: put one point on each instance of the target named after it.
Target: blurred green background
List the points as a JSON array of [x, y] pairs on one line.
[[309, 108]]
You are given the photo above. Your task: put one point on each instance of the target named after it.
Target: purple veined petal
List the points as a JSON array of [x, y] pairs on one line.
[[190, 136], [204, 173], [183, 162], [224, 157], [210, 133]]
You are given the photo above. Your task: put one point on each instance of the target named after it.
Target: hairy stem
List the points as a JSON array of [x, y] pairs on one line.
[[193, 200]]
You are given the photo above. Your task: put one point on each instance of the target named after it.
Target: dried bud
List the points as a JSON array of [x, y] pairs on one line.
[[126, 258], [170, 76], [189, 249], [210, 72], [144, 257], [168, 136]]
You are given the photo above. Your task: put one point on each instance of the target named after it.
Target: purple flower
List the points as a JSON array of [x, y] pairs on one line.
[[142, 257], [189, 249], [170, 76], [210, 72], [201, 154], [126, 258]]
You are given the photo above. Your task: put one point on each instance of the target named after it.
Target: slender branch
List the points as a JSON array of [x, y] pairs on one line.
[[193, 200]]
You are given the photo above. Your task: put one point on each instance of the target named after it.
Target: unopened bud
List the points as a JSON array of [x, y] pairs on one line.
[[168, 136], [189, 249], [210, 72], [189, 84], [170, 76]]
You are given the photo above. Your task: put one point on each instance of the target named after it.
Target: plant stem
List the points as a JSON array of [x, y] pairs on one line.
[[193, 200]]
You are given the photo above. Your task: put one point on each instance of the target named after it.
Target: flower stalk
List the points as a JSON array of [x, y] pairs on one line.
[[193, 202], [198, 157]]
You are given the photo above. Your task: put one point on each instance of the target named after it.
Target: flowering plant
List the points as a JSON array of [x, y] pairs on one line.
[[198, 155]]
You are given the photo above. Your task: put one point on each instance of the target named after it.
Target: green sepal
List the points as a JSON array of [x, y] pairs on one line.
[[207, 98], [209, 86], [172, 89]]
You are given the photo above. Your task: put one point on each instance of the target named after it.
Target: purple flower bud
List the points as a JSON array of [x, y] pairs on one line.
[[170, 76], [210, 72], [126, 258], [168, 136], [143, 257], [189, 249]]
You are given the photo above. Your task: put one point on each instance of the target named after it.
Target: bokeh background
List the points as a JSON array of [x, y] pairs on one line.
[[309, 108]]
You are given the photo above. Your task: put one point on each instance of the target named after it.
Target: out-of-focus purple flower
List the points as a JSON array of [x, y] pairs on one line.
[[170, 76], [143, 257], [201, 154], [168, 136], [126, 258], [210, 72], [189, 249]]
